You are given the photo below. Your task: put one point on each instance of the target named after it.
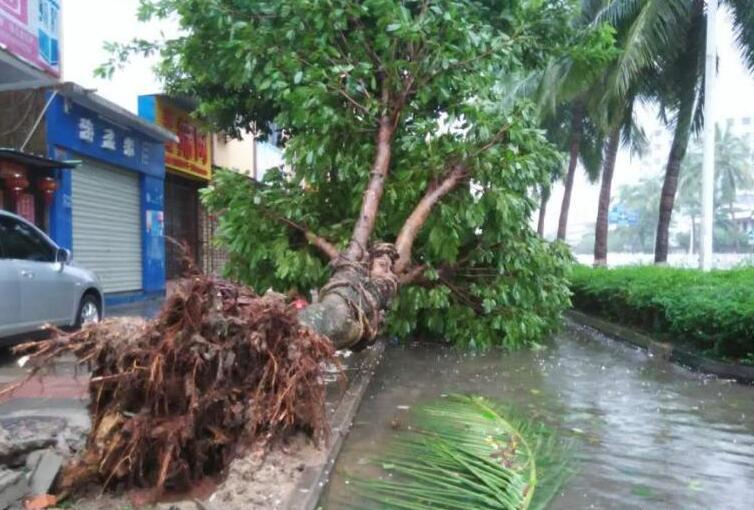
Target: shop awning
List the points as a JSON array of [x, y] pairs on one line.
[[16, 74], [32, 160], [115, 113]]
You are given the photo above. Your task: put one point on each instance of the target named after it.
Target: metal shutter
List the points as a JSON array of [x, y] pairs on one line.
[[107, 225]]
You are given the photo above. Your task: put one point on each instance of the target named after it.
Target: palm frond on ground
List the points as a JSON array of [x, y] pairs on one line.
[[460, 452]]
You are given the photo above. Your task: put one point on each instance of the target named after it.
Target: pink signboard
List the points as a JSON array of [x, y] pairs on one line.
[[30, 30]]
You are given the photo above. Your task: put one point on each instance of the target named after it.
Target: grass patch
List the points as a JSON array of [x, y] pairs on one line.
[[709, 312]]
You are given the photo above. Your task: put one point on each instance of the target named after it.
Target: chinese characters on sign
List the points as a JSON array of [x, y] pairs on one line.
[[86, 130], [191, 155], [129, 147], [30, 29], [108, 139]]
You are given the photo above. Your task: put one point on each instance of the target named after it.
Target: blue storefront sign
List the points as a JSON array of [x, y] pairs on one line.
[[77, 132], [622, 216]]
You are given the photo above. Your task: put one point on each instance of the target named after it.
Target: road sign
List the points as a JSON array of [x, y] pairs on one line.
[[622, 216]]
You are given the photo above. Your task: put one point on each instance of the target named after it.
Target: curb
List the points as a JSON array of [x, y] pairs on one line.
[[670, 352], [314, 478]]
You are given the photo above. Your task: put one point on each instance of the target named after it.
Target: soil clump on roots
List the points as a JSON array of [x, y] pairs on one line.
[[175, 399]]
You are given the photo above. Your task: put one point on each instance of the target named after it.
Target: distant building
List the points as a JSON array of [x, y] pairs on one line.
[[29, 43]]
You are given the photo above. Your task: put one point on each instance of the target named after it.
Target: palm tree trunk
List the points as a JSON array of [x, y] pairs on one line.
[[575, 146], [542, 212], [670, 184], [600, 231]]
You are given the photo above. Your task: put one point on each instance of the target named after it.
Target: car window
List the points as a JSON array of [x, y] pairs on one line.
[[20, 241]]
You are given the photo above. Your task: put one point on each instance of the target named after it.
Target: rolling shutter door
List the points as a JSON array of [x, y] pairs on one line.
[[107, 225]]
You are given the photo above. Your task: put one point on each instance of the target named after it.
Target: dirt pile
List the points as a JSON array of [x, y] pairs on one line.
[[175, 399]]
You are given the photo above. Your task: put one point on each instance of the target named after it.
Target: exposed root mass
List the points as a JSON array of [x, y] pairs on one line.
[[175, 399]]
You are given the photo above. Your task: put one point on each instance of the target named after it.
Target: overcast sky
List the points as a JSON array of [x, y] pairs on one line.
[[88, 24]]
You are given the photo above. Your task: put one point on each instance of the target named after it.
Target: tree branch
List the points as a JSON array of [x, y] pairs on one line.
[[412, 275], [388, 124], [419, 215], [493, 141], [373, 194], [321, 243]]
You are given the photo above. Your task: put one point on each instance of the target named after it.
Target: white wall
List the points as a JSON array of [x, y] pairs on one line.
[[235, 154]]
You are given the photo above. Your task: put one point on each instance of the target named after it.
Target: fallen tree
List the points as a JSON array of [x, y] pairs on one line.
[[411, 169]]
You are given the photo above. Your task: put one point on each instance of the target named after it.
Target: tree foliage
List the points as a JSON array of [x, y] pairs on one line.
[[438, 81]]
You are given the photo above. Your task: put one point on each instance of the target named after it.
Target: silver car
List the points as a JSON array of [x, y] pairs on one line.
[[39, 282]]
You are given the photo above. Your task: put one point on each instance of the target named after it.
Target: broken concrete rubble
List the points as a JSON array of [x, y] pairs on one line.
[[13, 487], [43, 469], [19, 436], [33, 450]]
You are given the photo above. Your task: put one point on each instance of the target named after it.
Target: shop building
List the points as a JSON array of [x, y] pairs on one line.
[[109, 209], [188, 168]]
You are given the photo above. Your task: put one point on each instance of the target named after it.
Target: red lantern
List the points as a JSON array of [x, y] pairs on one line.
[[16, 184], [49, 186]]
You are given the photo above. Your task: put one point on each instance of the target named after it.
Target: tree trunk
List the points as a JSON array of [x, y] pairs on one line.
[[692, 235], [670, 184], [575, 146], [603, 208], [542, 213], [353, 302]]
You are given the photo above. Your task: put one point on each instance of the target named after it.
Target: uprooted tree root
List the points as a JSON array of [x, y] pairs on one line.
[[175, 399]]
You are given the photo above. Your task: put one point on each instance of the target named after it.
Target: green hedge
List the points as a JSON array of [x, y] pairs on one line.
[[711, 312]]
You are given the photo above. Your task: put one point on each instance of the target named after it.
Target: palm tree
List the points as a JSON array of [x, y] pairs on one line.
[[578, 136], [585, 145], [733, 167], [565, 88], [667, 37], [617, 114], [680, 86], [603, 206], [733, 173]]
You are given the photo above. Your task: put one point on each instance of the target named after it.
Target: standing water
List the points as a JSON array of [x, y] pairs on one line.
[[649, 434]]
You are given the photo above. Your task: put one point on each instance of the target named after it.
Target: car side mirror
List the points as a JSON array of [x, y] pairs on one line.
[[63, 256]]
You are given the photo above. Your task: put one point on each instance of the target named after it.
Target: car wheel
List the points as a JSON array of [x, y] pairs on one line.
[[90, 311]]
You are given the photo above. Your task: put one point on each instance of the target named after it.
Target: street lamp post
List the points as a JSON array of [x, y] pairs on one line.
[[708, 168]]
